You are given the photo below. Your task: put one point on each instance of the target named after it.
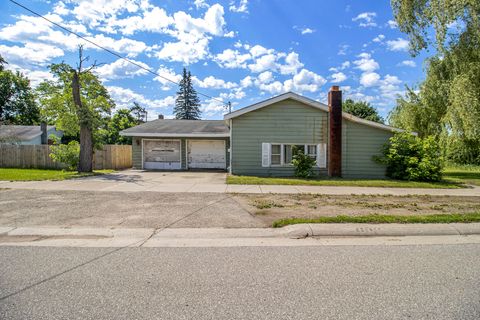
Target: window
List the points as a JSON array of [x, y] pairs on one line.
[[312, 151], [279, 154], [290, 151], [276, 155]]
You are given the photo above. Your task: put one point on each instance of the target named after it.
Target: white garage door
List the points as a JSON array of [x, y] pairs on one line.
[[206, 154], [161, 154]]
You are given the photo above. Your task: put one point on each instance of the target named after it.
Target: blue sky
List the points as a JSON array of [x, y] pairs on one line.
[[241, 51]]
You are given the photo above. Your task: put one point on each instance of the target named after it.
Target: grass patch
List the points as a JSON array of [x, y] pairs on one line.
[[384, 183], [377, 218], [15, 174], [468, 174], [266, 204]]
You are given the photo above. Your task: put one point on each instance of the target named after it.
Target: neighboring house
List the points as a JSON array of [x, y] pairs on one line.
[[12, 134], [261, 140]]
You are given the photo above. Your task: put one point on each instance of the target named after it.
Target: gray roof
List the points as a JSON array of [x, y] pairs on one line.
[[179, 128], [21, 133]]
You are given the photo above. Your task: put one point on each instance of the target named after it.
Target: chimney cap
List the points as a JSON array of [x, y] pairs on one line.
[[335, 88]]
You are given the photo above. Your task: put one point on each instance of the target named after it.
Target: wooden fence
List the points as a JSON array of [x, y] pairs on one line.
[[37, 156]]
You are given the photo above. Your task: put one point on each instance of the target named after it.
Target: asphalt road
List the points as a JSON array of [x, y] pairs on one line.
[[334, 282]]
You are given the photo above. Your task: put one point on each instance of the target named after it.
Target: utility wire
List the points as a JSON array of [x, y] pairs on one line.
[[112, 52]]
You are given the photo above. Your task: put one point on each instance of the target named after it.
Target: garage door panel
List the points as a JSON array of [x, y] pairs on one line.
[[161, 154], [206, 154]]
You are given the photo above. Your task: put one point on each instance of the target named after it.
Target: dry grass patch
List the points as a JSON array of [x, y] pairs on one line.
[[272, 207]]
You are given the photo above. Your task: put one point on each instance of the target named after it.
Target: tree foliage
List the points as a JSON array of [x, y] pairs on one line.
[[362, 109], [17, 100], [121, 120], [187, 102], [68, 154], [447, 104], [139, 113], [303, 165], [408, 157], [449, 19], [56, 99]]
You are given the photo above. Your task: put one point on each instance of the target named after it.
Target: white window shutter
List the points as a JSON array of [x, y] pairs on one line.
[[322, 155], [266, 147]]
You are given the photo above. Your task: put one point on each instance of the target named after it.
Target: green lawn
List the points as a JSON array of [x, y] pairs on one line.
[[375, 218], [342, 182], [14, 174], [455, 176], [468, 174]]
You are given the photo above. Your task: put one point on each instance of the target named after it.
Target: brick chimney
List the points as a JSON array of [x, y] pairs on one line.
[[43, 129], [335, 136]]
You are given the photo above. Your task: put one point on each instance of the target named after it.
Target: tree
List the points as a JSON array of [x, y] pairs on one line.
[[416, 18], [121, 120], [187, 103], [362, 109], [447, 104], [17, 100], [139, 113], [77, 102]]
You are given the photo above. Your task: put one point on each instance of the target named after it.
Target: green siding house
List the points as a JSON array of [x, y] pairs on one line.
[[261, 139]]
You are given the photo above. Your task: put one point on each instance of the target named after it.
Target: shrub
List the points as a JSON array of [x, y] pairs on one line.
[[409, 157], [68, 154], [303, 165]]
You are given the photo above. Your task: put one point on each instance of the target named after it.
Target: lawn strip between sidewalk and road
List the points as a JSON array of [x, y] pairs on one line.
[[16, 174], [376, 218]]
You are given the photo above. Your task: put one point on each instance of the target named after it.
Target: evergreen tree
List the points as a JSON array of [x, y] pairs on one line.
[[139, 113], [187, 103]]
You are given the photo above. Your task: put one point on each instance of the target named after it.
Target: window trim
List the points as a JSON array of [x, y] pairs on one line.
[[282, 153]]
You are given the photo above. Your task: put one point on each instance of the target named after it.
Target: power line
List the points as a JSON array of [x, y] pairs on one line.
[[111, 51]]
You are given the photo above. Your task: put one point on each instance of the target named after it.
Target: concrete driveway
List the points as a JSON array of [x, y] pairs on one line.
[[163, 177]]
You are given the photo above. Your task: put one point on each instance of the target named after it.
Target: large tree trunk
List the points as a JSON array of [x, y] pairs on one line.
[[86, 138], [86, 150]]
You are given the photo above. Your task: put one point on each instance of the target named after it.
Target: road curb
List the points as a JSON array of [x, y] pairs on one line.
[[300, 231]]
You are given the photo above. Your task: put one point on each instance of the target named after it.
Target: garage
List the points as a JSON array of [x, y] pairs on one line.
[[161, 154], [206, 154], [168, 144]]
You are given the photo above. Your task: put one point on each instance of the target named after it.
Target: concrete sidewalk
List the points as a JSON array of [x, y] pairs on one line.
[[98, 184], [294, 235]]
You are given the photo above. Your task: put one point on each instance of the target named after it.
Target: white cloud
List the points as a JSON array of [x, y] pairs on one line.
[[398, 45], [124, 98], [305, 80], [265, 62], [211, 82], [408, 63], [37, 53], [201, 4], [366, 19], [167, 73], [338, 77], [35, 76], [258, 50], [242, 6], [304, 30], [265, 77], [343, 50], [61, 9], [366, 63], [93, 12], [187, 52], [392, 24], [232, 59], [120, 69], [292, 64], [369, 79], [379, 38]]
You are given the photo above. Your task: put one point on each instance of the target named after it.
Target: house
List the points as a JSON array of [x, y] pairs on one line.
[[28, 135], [261, 140]]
